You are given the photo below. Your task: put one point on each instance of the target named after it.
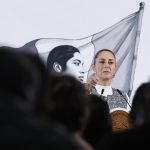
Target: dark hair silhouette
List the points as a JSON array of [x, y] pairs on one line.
[[140, 111], [70, 100], [23, 84], [99, 122]]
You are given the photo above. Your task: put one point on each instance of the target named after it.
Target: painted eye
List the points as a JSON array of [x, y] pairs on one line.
[[76, 63]]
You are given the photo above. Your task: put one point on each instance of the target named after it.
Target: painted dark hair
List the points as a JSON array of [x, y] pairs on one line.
[[60, 54]]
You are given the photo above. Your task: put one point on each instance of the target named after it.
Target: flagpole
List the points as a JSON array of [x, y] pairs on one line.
[[141, 10]]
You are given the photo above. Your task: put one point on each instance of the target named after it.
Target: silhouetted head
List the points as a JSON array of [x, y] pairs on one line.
[[140, 111], [99, 123], [70, 101], [23, 78]]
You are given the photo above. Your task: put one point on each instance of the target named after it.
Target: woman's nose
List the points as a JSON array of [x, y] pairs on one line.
[[106, 64]]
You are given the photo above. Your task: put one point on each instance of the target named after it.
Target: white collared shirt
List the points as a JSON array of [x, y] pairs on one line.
[[107, 90]]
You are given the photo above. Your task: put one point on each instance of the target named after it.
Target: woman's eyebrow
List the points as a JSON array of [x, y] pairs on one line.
[[105, 59]]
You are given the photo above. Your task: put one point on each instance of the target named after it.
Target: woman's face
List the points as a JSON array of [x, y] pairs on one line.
[[105, 66], [74, 66]]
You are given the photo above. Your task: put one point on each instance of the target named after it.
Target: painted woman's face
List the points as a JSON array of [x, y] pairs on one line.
[[74, 66], [105, 65]]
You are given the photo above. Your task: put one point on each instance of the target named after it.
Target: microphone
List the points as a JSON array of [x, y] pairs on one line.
[[102, 91], [123, 97]]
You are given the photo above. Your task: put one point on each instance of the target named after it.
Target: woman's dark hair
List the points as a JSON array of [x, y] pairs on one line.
[[103, 50]]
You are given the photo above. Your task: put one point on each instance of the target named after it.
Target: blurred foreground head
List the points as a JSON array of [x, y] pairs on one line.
[[140, 111], [23, 79], [23, 89], [70, 100], [99, 123]]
